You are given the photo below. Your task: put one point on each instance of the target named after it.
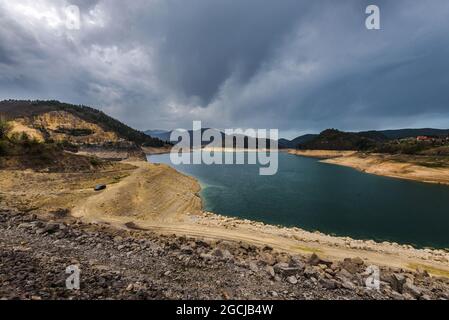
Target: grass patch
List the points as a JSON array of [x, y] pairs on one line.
[[432, 270], [307, 249]]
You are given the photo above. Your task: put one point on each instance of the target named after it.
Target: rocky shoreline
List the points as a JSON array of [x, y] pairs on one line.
[[134, 264]]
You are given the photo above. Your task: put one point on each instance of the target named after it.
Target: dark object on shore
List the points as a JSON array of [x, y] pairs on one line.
[[133, 226], [100, 187]]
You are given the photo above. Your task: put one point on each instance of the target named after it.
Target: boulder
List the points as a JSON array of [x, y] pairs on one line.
[[286, 270], [344, 275], [329, 284], [314, 260], [397, 282], [352, 265], [410, 288]]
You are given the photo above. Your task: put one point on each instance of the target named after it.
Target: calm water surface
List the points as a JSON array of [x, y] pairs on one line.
[[332, 199]]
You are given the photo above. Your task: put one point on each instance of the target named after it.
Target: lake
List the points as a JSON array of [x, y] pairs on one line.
[[332, 199]]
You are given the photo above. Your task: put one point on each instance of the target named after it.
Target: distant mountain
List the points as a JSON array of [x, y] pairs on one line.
[[412, 133], [284, 143], [248, 141]]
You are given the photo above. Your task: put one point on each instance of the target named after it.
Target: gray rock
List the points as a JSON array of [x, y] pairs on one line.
[[253, 267], [270, 271], [329, 284], [286, 270], [292, 280], [411, 289], [217, 253], [186, 250], [397, 282], [344, 274]]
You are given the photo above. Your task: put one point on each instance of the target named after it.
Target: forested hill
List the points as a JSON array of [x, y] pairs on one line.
[[25, 109]]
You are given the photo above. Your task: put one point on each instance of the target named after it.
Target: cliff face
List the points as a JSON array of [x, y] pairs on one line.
[[63, 126]]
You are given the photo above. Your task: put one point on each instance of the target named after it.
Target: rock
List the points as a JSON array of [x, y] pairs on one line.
[[292, 280], [267, 258], [186, 250], [408, 296], [270, 271], [348, 285], [51, 228], [217, 252], [397, 282], [206, 256], [25, 226], [352, 265], [253, 267], [309, 272], [100, 187], [118, 239], [411, 289], [286, 270], [227, 255], [329, 284], [344, 274], [314, 260]]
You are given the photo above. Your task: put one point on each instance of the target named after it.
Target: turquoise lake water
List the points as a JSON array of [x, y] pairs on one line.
[[332, 199]]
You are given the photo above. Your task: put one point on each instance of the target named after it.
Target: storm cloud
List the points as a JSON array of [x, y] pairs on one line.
[[300, 66]]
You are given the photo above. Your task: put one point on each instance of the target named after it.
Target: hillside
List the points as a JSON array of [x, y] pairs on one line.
[[285, 143], [332, 139], [160, 134], [43, 111], [413, 133], [429, 142], [80, 129]]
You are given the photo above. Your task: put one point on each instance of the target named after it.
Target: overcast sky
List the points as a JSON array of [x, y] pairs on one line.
[[299, 66]]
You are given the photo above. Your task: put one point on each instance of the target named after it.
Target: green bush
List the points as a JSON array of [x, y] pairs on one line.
[[3, 148], [5, 128], [95, 162]]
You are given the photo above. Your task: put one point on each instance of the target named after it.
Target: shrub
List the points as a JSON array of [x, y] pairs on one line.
[[95, 162], [5, 128], [3, 148]]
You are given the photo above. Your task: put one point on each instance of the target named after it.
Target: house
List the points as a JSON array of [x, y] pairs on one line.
[[423, 138]]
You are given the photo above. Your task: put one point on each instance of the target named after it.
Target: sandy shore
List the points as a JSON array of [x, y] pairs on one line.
[[321, 154], [417, 168], [153, 150]]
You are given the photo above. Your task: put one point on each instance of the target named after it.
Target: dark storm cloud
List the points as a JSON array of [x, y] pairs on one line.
[[294, 65]]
